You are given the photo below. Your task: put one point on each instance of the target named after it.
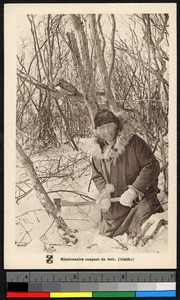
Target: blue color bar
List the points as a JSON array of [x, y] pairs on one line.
[[156, 294]]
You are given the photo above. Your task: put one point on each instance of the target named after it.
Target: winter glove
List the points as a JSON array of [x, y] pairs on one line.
[[105, 205], [128, 197], [103, 201]]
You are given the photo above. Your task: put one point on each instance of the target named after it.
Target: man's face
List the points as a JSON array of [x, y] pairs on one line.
[[107, 131]]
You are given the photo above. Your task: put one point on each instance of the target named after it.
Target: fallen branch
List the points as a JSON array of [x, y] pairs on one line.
[[44, 234], [30, 211], [122, 246], [50, 247], [142, 234], [161, 223], [87, 215], [67, 233], [90, 246], [21, 243]]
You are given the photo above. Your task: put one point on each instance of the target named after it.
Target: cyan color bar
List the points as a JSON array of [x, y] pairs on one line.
[[156, 294]]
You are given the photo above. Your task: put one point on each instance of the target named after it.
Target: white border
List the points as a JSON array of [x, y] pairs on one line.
[[13, 260]]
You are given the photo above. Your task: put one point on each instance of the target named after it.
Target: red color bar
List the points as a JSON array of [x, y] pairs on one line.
[[28, 295]]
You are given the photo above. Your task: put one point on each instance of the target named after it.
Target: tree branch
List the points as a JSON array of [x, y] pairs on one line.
[[42, 195], [112, 46]]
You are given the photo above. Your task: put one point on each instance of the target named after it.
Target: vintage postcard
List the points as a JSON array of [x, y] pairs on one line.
[[90, 136]]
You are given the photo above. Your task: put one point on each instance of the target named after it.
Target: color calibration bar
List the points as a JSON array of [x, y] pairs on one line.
[[91, 284], [103, 290], [107, 294]]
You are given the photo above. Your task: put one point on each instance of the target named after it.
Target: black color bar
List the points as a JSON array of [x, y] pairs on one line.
[[17, 286]]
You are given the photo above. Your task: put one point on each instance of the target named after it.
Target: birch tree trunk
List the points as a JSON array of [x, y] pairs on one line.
[[65, 232], [102, 64], [87, 59], [81, 72]]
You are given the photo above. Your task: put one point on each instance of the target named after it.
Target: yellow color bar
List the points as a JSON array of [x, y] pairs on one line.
[[70, 294]]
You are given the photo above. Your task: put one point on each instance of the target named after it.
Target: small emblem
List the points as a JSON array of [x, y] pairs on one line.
[[49, 259]]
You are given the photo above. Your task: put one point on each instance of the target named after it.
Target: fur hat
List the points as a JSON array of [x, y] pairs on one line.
[[104, 116]]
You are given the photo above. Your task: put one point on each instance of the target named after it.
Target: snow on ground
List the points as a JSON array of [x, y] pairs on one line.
[[70, 171]]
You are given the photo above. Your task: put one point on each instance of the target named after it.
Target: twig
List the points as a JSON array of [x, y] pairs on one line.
[[29, 211], [161, 223], [50, 245], [25, 220], [87, 215], [36, 216], [26, 193], [20, 189], [89, 247], [142, 233], [46, 231], [21, 241], [112, 46], [22, 244], [124, 247], [70, 191], [26, 232]]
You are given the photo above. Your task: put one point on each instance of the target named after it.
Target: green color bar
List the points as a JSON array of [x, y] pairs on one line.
[[114, 294]]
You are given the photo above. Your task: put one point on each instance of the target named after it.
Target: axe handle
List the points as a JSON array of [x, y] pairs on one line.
[[115, 199], [70, 203]]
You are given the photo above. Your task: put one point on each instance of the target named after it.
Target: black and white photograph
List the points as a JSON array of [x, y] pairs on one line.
[[90, 136]]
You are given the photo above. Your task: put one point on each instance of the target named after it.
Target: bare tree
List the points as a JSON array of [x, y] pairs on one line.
[[75, 62], [46, 66], [141, 78], [102, 63], [46, 202]]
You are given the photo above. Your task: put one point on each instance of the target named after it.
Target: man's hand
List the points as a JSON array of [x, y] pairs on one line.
[[105, 205], [103, 201], [128, 197]]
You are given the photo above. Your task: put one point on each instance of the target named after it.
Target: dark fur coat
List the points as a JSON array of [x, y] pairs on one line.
[[130, 162]]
